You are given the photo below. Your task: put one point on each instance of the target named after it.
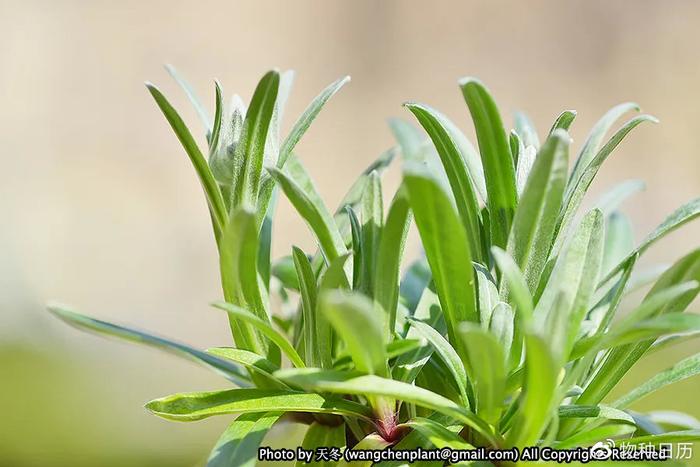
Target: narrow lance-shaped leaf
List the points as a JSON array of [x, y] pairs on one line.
[[238, 256], [563, 121], [576, 271], [538, 398], [218, 117], [621, 359], [333, 278], [302, 124], [445, 246], [251, 149], [307, 287], [448, 355], [257, 364], [372, 223], [313, 211], [577, 188], [497, 160], [676, 219], [239, 444], [391, 247], [456, 170], [684, 369], [595, 138], [200, 405], [193, 98], [355, 321], [485, 363], [358, 256], [535, 217], [211, 188], [264, 327], [227, 369]]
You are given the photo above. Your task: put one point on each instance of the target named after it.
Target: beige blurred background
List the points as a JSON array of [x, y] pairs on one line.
[[100, 208]]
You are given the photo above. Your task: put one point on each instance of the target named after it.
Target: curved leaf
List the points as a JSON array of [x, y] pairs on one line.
[[497, 160], [535, 217], [278, 339], [391, 246], [251, 148], [445, 246], [199, 405], [227, 369], [456, 170], [304, 121], [355, 320], [211, 188]]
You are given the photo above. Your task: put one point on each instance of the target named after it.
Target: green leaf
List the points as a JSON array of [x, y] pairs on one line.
[[487, 297], [487, 372], [439, 435], [85, 323], [357, 250], [251, 149], [507, 334], [252, 361], [372, 223], [621, 359], [372, 385], [447, 354], [535, 217], [684, 369], [577, 187], [445, 246], [308, 203], [517, 289], [596, 411], [576, 275], [535, 409], [211, 188], [680, 216], [302, 124], [238, 256], [595, 138], [239, 444], [307, 287], [456, 170], [355, 321], [216, 127], [391, 247], [192, 96], [523, 168], [199, 405], [325, 436], [563, 121], [265, 328], [495, 156]]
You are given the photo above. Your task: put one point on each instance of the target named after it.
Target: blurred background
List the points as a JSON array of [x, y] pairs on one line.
[[100, 208]]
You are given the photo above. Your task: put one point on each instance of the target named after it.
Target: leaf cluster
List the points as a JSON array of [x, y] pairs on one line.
[[506, 333]]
